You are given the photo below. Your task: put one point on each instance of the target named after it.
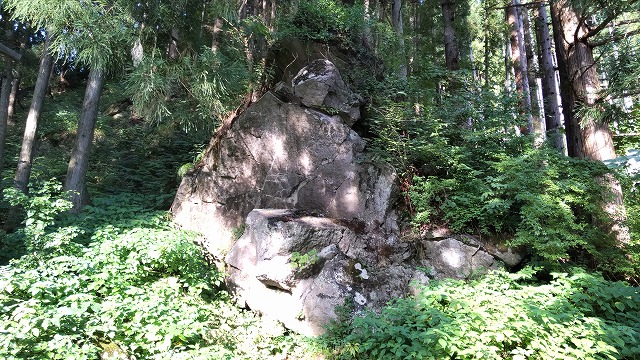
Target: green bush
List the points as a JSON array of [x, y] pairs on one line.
[[465, 167], [501, 316], [41, 209], [545, 200], [125, 279], [323, 21]]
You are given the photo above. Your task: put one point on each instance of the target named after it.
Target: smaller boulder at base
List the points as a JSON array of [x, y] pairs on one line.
[[276, 268]]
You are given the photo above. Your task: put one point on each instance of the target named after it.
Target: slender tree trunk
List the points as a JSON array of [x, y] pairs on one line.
[[23, 171], [584, 84], [487, 52], [172, 47], [367, 24], [451, 49], [396, 19], [553, 118], [532, 77], [272, 17], [519, 61], [15, 85], [4, 107], [508, 68], [215, 34], [77, 170]]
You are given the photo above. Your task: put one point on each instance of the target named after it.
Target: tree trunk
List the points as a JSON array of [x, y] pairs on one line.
[[571, 125], [4, 107], [451, 49], [532, 77], [519, 61], [487, 52], [15, 85], [396, 20], [553, 118], [584, 84], [77, 170], [215, 34], [367, 24], [172, 46], [23, 171]]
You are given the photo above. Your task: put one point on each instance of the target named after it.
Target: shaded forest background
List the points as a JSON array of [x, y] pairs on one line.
[[509, 120]]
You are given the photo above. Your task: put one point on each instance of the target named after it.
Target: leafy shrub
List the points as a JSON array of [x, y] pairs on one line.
[[138, 285], [323, 21], [467, 168], [41, 208], [501, 316], [546, 200]]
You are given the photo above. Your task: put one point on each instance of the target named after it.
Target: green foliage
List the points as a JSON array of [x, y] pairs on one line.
[[546, 200], [129, 156], [195, 91], [42, 206], [138, 285], [327, 21], [501, 316], [301, 261], [467, 168], [83, 28]]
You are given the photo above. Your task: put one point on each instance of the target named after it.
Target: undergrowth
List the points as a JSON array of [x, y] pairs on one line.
[[467, 168], [500, 316], [121, 276]]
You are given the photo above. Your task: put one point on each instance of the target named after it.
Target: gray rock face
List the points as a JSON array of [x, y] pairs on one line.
[[298, 268], [281, 155], [451, 258], [319, 85]]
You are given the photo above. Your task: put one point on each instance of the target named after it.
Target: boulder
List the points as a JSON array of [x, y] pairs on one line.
[[283, 155], [451, 258], [319, 85], [297, 267], [317, 219]]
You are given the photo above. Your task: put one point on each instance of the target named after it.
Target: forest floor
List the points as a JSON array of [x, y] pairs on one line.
[[120, 277]]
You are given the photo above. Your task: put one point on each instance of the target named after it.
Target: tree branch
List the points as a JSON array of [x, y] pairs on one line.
[[526, 5], [614, 38], [593, 32]]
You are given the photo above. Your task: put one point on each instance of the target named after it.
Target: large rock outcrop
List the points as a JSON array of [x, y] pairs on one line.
[[283, 154], [319, 224]]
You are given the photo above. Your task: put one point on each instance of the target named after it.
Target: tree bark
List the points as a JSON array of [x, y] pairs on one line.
[[532, 77], [15, 85], [553, 118], [215, 34], [571, 125], [23, 171], [584, 85], [367, 24], [451, 49], [396, 20], [519, 61], [172, 46], [77, 170], [4, 107]]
